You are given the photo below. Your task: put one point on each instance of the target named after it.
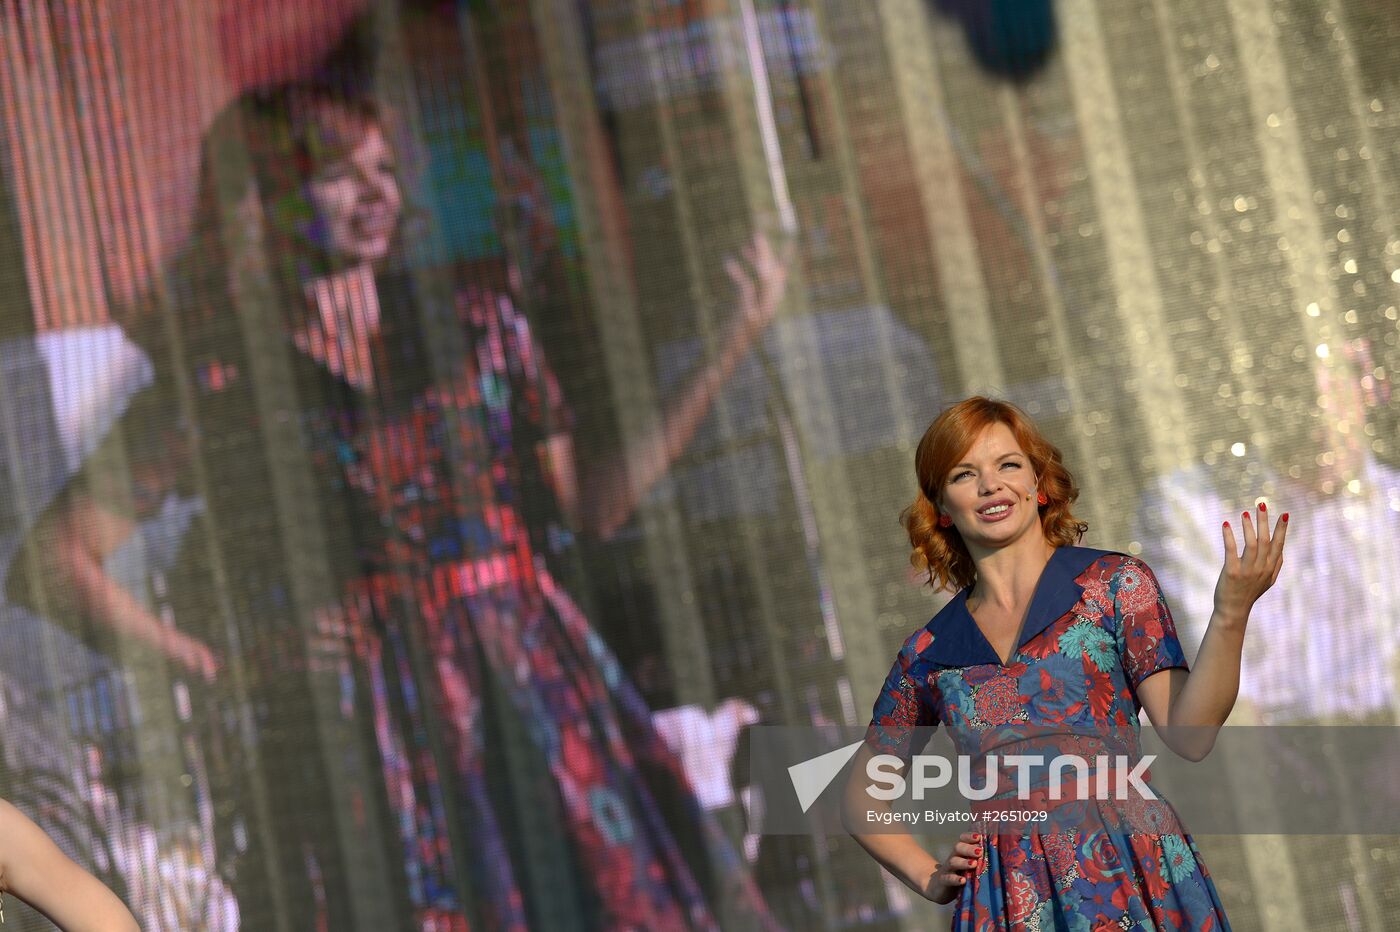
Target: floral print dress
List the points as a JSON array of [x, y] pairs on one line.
[[1098, 625]]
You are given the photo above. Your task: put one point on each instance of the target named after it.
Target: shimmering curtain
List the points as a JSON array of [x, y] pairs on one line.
[[1166, 230]]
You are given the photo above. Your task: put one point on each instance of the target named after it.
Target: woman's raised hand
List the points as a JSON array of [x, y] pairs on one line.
[[954, 871], [761, 292], [1248, 576]]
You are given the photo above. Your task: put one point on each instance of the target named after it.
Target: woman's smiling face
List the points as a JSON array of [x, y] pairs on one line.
[[357, 201], [995, 469]]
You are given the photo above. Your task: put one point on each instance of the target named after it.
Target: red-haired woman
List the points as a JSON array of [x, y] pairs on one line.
[[1045, 635]]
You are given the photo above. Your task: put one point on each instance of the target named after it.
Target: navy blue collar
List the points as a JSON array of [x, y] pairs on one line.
[[958, 642]]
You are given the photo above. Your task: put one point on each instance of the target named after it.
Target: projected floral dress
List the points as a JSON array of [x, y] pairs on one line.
[[1097, 626], [492, 741], [429, 476]]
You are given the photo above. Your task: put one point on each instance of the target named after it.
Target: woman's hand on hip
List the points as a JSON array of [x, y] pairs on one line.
[[955, 870]]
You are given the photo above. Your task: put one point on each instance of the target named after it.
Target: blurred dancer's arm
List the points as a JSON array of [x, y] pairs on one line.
[[33, 869], [71, 545]]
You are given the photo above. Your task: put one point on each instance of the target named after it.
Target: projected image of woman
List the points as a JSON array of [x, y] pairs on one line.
[[426, 415]]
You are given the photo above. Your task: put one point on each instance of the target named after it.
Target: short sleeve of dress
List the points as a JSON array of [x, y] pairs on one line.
[[1146, 636], [524, 407], [903, 718]]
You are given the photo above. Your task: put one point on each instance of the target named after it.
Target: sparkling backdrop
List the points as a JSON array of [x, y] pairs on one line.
[[1166, 230]]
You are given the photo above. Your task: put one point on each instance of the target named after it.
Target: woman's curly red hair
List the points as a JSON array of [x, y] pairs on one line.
[[940, 551]]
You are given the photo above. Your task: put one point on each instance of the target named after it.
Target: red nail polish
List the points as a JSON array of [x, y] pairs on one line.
[[1263, 507], [1285, 516], [1226, 524]]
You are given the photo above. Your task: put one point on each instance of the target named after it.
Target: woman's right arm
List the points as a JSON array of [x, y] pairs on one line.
[[898, 852], [900, 710], [72, 544]]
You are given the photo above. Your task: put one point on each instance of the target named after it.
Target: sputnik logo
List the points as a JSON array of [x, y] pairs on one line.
[[812, 776]]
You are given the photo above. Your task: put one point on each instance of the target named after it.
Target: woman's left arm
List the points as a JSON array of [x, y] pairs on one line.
[[614, 485], [1193, 706], [34, 869]]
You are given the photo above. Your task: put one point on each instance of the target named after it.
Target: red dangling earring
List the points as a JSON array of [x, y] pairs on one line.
[[1043, 499], [944, 521]]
